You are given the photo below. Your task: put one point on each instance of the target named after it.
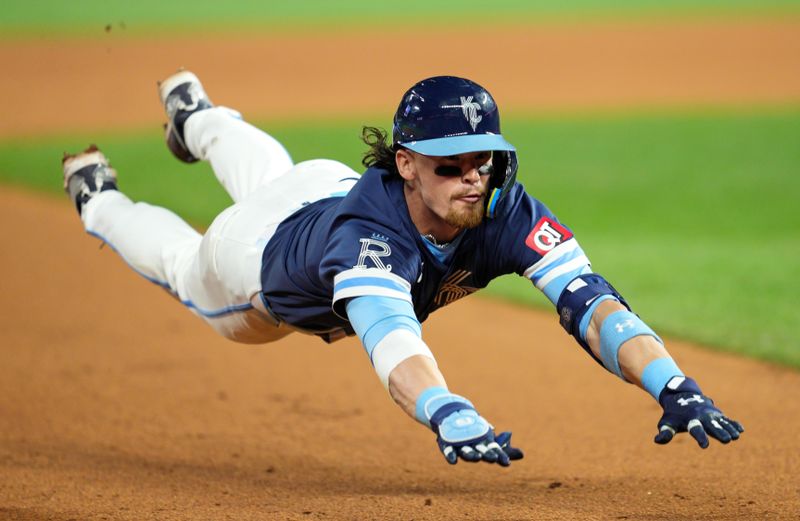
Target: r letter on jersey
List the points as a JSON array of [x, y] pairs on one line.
[[373, 250]]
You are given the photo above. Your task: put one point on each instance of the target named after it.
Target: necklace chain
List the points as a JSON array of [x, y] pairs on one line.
[[436, 243]]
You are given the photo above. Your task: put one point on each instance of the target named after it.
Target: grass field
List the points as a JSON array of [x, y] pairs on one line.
[[53, 18], [692, 216]]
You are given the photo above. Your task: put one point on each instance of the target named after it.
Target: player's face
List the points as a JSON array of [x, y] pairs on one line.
[[445, 194]]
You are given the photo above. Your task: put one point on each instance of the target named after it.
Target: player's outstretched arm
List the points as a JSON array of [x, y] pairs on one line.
[[601, 321], [625, 344], [418, 387], [405, 365]]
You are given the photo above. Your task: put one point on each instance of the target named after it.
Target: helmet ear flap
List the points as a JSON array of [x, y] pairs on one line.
[[504, 175]]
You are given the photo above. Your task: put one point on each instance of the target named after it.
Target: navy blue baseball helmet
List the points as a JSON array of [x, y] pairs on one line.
[[445, 116]]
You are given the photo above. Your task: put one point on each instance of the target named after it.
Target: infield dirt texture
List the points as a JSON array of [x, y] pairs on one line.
[[117, 403]]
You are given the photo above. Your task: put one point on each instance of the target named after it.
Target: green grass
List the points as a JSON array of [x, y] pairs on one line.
[[54, 17], [693, 217]]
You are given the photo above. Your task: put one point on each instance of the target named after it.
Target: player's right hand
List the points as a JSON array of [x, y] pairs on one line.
[[463, 433]]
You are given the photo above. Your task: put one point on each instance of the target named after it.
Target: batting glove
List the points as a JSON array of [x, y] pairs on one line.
[[686, 408], [462, 432]]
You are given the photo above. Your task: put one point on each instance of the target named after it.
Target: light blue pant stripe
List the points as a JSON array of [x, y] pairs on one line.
[[188, 303]]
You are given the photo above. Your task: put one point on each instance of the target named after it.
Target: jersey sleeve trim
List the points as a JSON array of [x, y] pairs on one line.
[[565, 251], [573, 265], [359, 282], [556, 269]]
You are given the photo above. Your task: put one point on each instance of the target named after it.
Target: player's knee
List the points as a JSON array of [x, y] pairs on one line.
[[249, 327]]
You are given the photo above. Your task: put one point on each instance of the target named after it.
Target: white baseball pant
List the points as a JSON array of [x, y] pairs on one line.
[[217, 275]]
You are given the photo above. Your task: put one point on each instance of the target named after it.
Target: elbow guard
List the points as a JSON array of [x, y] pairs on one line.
[[577, 298]]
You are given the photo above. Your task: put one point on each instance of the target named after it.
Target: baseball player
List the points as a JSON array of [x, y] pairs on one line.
[[316, 248]]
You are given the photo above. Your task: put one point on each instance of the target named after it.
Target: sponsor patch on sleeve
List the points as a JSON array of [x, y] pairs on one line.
[[546, 235]]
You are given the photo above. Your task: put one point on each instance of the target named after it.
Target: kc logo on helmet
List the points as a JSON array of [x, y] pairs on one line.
[[546, 235]]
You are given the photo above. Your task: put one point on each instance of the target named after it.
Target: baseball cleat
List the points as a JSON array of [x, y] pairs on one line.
[[87, 174], [182, 95]]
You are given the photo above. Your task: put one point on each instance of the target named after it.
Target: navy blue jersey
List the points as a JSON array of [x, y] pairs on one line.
[[366, 244]]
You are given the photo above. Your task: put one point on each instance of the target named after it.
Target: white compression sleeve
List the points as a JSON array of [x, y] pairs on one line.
[[393, 349]]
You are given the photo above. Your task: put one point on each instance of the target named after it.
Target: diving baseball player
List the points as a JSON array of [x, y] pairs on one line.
[[316, 248]]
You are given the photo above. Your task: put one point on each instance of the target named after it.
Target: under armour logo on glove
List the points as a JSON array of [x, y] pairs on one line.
[[687, 409], [686, 401]]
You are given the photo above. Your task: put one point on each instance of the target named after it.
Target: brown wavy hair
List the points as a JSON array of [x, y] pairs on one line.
[[379, 154]]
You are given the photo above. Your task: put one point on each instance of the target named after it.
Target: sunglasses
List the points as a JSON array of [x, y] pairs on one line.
[[455, 171]]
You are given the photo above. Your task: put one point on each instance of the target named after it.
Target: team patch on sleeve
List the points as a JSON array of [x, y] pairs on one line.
[[546, 235]]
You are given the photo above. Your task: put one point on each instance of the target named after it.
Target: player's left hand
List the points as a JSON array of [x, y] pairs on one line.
[[686, 408], [464, 434]]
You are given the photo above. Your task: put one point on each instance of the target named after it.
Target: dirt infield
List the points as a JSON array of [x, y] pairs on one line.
[[117, 403], [55, 86]]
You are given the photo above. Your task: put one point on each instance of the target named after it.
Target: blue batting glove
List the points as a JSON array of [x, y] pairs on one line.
[[462, 432], [686, 408], [504, 440]]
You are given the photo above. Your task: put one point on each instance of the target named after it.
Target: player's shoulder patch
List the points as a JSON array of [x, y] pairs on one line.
[[546, 235]]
